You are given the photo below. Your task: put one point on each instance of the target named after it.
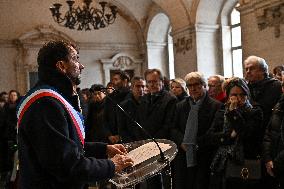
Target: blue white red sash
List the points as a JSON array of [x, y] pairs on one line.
[[47, 92]]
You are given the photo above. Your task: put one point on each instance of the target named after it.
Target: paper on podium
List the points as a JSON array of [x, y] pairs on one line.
[[146, 151], [146, 156]]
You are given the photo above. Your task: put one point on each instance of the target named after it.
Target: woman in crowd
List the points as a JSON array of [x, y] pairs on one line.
[[178, 88], [94, 123], [236, 132]]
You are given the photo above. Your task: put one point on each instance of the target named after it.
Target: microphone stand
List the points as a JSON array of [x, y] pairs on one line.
[[163, 158]]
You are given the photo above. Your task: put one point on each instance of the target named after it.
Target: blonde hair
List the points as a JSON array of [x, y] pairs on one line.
[[181, 82]]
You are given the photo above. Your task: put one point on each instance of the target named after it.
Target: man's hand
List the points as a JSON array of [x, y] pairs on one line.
[[121, 162], [112, 150], [269, 167]]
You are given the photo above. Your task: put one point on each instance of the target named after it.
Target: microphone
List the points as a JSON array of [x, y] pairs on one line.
[[163, 158]]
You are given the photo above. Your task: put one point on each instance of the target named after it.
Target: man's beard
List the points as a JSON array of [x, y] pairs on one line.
[[77, 81], [74, 80]]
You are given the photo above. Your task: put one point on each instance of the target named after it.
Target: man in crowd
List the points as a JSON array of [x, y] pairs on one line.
[[126, 126], [52, 150], [120, 81], [155, 113], [265, 91], [193, 118], [215, 90]]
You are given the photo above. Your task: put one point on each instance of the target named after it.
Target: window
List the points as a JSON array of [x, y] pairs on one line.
[[236, 41]]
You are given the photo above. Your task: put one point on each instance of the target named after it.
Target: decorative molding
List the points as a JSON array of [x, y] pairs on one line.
[[82, 45], [109, 46], [156, 45], [182, 31], [121, 61], [271, 17], [206, 28]]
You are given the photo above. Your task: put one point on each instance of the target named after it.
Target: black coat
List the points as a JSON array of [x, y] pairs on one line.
[[197, 177], [265, 93], [95, 131], [273, 145], [155, 114], [206, 115], [247, 122], [50, 152], [127, 128], [111, 110]]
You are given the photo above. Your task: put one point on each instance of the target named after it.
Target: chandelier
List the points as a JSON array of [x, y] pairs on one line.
[[84, 18]]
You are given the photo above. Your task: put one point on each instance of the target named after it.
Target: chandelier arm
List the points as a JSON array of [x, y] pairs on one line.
[[85, 17]]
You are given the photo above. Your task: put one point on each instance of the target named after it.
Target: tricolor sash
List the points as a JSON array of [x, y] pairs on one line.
[[76, 117]]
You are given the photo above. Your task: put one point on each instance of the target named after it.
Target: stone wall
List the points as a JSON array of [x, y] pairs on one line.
[[263, 30]]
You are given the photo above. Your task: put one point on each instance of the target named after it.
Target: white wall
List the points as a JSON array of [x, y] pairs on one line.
[[122, 36]]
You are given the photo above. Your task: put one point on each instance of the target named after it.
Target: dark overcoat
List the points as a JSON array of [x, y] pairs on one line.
[[50, 152], [205, 152]]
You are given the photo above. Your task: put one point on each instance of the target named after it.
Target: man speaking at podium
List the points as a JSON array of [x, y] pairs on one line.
[[52, 151]]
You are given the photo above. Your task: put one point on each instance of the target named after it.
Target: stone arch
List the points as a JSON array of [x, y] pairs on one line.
[[27, 46], [208, 40], [178, 12], [130, 18], [157, 39]]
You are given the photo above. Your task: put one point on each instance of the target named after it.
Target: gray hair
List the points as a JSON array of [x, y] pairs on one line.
[[260, 62], [220, 78], [195, 75]]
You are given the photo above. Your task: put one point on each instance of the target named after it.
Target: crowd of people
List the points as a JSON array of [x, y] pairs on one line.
[[213, 122]]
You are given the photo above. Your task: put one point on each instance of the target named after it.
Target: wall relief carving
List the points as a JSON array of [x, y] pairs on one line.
[[183, 44], [122, 62], [271, 17]]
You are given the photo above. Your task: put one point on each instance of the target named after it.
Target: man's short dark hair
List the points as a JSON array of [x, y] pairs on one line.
[[122, 74], [149, 71], [54, 51], [14, 91], [136, 78], [96, 87]]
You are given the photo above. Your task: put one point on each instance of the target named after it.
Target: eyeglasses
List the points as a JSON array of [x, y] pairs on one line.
[[153, 81], [193, 85], [213, 85]]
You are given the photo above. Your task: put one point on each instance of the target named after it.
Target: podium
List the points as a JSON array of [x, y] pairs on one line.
[[146, 169]]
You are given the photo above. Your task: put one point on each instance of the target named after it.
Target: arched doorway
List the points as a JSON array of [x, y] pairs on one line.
[[159, 44]]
